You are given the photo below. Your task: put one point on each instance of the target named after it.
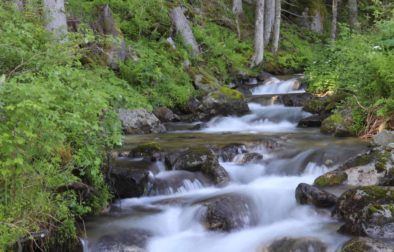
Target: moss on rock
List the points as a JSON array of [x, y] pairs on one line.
[[331, 179]]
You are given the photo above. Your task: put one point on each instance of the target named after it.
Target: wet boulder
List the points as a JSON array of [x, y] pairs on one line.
[[313, 121], [132, 240], [229, 212], [166, 115], [367, 211], [200, 159], [296, 99], [230, 151], [129, 178], [296, 245], [361, 244], [140, 121], [307, 194]]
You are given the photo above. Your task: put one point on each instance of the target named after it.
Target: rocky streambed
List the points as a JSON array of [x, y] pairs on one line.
[[259, 179]]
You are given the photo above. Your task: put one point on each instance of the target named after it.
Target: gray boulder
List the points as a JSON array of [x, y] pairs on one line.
[[307, 194], [165, 115], [199, 159], [229, 212], [367, 211], [384, 138], [140, 121]]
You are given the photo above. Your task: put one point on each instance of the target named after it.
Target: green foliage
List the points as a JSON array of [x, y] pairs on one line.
[[297, 49], [57, 121], [158, 73], [137, 19], [362, 65], [223, 53]]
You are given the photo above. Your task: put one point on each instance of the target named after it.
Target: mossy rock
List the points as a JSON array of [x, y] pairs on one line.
[[331, 179], [338, 124], [362, 244], [315, 106], [146, 149], [232, 93]]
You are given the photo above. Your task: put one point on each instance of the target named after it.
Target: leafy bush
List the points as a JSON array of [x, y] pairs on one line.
[[158, 74], [360, 64], [57, 121]]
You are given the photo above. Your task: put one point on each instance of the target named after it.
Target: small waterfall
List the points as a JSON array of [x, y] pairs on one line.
[[275, 86]]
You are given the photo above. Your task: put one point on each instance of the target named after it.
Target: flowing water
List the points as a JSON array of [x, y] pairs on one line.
[[171, 211]]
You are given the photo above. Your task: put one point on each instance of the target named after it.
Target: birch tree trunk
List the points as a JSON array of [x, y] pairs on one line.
[[259, 34], [276, 35], [269, 19], [56, 18], [334, 19], [182, 27], [237, 10], [353, 14]]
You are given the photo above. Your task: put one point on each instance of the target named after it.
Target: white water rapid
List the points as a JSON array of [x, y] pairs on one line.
[[171, 211]]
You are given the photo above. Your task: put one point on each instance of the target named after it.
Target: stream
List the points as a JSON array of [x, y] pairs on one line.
[[170, 214]]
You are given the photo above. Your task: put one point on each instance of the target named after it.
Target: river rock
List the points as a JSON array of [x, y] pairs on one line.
[[296, 245], [166, 115], [374, 167], [367, 211], [307, 194], [295, 100], [140, 121], [129, 180], [313, 121], [264, 76], [361, 244], [230, 151], [199, 159], [384, 138], [229, 212], [133, 240]]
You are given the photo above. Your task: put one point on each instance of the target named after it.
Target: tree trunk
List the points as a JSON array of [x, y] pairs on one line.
[[259, 34], [237, 10], [353, 14], [182, 26], [269, 19], [56, 18], [334, 19], [278, 11]]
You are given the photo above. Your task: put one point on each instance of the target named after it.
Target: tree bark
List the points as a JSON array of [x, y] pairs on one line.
[[269, 19], [276, 35], [56, 18], [182, 26], [237, 10], [353, 14], [259, 34], [334, 19]]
